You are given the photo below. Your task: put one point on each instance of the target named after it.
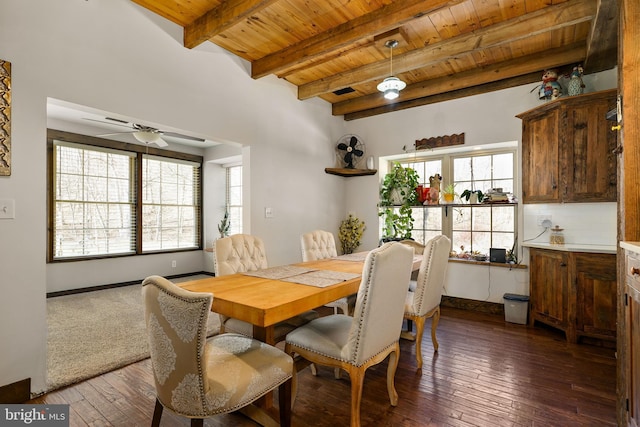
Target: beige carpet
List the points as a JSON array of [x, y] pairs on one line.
[[95, 332]]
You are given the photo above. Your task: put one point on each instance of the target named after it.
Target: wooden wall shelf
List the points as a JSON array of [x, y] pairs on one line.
[[350, 172]]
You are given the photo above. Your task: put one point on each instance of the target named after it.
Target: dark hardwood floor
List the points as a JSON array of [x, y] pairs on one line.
[[486, 373]]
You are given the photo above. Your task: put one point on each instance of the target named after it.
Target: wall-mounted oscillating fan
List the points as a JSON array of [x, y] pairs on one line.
[[350, 150]]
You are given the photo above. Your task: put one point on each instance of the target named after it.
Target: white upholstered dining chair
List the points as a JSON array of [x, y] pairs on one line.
[[198, 377], [320, 244], [366, 339], [425, 293], [240, 253]]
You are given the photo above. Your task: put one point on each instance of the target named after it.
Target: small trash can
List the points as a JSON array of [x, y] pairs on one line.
[[516, 308]]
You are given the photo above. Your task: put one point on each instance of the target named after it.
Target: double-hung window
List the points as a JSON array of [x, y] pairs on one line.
[[113, 199], [233, 202], [472, 228]]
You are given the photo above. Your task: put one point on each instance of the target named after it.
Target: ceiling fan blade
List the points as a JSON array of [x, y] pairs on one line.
[[160, 143], [115, 133], [358, 152], [342, 146], [181, 136], [109, 123]]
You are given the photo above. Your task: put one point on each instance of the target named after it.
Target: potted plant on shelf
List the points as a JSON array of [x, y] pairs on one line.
[[472, 196], [449, 193], [397, 196]]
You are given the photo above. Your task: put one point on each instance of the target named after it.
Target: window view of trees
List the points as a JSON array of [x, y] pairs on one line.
[[94, 202]]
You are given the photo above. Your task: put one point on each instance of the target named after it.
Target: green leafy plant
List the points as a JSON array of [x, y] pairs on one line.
[[350, 233], [224, 225], [397, 196], [466, 194]]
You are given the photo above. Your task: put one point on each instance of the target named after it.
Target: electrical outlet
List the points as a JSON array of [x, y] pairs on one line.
[[543, 220], [174, 263]]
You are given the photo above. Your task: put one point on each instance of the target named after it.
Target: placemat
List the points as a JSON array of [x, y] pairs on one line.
[[321, 278], [357, 256], [277, 273]]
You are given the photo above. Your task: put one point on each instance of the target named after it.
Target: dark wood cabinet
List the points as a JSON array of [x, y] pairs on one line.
[[568, 150], [574, 292], [549, 290], [632, 320]]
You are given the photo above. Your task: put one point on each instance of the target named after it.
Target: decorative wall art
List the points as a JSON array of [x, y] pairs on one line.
[[439, 141], [5, 118]]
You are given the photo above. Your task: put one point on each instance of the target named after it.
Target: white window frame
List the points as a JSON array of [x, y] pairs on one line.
[[447, 172]]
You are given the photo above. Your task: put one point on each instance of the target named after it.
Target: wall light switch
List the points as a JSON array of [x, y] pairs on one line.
[[268, 213], [7, 208]]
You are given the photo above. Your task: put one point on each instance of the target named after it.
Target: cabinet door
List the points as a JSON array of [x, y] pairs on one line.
[[595, 282], [549, 291], [588, 159], [540, 158], [633, 360]]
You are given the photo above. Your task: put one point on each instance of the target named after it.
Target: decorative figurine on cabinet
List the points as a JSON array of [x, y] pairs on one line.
[[576, 85], [549, 83]]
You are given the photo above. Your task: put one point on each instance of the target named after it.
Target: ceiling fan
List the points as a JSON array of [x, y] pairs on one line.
[[142, 133]]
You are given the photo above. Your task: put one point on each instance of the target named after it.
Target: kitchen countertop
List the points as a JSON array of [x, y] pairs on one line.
[[631, 246], [575, 247]]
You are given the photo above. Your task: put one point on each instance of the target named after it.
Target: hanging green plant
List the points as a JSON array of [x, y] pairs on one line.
[[397, 196], [350, 233]]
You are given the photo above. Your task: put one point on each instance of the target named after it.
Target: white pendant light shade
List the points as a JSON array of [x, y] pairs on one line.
[[391, 86], [146, 136]]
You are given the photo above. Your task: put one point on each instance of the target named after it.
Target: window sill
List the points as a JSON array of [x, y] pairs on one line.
[[488, 264]]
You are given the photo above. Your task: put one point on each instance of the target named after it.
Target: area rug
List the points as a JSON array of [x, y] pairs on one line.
[[95, 332]]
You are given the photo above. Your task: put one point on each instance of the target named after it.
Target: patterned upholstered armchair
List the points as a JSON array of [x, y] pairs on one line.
[[321, 244], [366, 339], [425, 293], [240, 253], [200, 378]]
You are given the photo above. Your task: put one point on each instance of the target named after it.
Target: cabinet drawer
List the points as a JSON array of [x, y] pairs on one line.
[[632, 269]]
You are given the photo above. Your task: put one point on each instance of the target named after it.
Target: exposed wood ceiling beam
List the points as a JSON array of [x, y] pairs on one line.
[[220, 18], [377, 22], [544, 20], [602, 44], [490, 73], [448, 96]]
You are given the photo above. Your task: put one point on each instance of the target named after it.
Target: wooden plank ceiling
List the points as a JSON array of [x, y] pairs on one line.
[[334, 49]]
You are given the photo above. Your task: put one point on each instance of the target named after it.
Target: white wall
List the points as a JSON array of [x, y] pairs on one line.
[[114, 56]]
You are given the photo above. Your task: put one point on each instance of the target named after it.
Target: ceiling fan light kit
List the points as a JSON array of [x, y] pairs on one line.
[[147, 136], [391, 86]]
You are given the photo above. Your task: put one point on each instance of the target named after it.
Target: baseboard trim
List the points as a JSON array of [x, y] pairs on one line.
[[472, 305], [15, 393], [117, 285]]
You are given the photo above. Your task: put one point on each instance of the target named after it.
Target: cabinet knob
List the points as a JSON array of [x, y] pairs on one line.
[[563, 264], [635, 271]]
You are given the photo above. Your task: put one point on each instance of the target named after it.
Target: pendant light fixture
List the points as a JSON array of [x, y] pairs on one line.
[[391, 86]]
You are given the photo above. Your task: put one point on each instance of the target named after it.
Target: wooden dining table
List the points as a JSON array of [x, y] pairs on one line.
[[264, 302]]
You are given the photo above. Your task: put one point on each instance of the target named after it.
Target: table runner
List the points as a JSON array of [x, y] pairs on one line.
[[357, 256]]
